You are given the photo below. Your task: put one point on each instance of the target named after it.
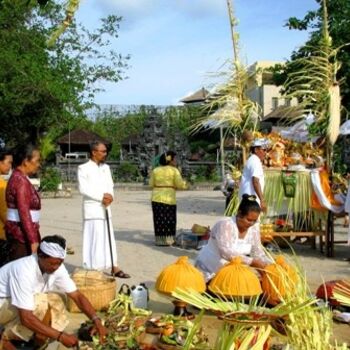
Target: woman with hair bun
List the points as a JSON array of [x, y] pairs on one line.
[[236, 236], [24, 204], [165, 180]]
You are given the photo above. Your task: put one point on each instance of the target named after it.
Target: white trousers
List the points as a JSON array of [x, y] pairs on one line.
[[96, 249]]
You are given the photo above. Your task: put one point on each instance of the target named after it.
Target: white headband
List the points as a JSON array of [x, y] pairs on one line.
[[53, 249]]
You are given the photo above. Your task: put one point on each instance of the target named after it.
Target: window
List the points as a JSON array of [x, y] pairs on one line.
[[274, 102], [287, 102]]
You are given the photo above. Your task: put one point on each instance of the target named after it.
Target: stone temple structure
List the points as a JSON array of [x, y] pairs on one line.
[[157, 138]]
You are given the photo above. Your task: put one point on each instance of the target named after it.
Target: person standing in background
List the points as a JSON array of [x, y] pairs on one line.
[[164, 181], [227, 188], [97, 187], [5, 167], [252, 182], [23, 203]]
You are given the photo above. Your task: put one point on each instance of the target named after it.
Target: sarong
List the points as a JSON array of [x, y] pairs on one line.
[[96, 250], [164, 221], [9, 317]]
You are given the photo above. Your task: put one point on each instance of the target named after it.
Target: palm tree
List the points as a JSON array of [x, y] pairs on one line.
[[314, 83], [228, 107]]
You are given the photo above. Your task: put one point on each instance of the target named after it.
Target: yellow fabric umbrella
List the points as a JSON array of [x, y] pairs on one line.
[[181, 274], [235, 279], [278, 278]]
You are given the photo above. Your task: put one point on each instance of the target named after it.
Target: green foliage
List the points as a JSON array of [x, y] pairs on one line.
[[339, 30], [47, 147], [117, 128], [45, 89], [338, 163], [126, 172], [182, 118], [204, 173], [50, 179]]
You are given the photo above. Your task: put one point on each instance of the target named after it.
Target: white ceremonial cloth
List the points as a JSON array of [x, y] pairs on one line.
[[22, 279], [96, 250], [253, 168], [94, 180], [224, 244]]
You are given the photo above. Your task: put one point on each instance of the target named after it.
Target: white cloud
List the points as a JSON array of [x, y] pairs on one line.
[[133, 10]]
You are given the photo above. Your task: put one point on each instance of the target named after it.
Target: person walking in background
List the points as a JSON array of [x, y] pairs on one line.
[[23, 203], [253, 180], [164, 181], [97, 187], [5, 167]]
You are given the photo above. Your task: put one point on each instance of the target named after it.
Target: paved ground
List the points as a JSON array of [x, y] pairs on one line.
[[138, 256]]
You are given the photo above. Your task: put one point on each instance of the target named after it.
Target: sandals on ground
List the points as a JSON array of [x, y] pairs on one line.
[[121, 274]]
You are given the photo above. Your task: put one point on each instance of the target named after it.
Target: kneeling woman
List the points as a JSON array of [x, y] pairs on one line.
[[234, 236]]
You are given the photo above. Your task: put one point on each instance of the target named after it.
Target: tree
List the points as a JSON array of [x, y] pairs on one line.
[[43, 88], [339, 31]]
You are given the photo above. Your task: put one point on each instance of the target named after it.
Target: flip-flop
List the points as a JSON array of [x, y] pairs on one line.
[[121, 274]]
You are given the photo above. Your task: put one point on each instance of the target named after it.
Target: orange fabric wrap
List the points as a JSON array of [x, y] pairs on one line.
[[324, 178]]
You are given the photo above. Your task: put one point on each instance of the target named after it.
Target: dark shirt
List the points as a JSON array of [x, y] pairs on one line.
[[21, 195]]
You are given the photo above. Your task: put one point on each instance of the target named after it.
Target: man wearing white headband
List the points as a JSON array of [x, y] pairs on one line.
[[28, 305]]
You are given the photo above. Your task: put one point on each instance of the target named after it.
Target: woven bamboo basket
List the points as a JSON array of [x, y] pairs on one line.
[[99, 289]]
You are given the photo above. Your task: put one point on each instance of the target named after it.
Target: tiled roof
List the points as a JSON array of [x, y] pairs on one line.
[[81, 137]]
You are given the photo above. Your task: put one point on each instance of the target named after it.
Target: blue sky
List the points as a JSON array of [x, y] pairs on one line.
[[176, 44]]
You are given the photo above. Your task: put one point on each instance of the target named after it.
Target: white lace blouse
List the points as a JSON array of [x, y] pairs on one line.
[[224, 244]]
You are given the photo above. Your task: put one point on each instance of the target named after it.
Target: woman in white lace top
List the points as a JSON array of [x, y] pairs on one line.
[[234, 236]]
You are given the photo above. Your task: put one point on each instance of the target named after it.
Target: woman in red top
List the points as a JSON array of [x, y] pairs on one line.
[[23, 203]]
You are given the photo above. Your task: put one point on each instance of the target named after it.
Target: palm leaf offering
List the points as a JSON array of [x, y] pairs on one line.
[[229, 106], [297, 321], [128, 327], [300, 203]]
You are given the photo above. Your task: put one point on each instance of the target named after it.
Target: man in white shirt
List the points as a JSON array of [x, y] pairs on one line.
[[28, 304], [252, 181], [97, 187]]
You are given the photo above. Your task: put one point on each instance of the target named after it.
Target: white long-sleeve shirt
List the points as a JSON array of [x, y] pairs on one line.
[[224, 244], [94, 180]]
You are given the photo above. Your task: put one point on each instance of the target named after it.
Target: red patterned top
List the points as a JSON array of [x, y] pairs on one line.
[[21, 195]]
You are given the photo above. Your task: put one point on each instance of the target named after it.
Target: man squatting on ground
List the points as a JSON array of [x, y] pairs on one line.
[[28, 299]]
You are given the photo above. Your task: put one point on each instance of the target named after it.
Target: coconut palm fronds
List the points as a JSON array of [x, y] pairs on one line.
[[311, 328], [313, 81], [242, 338], [228, 105]]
